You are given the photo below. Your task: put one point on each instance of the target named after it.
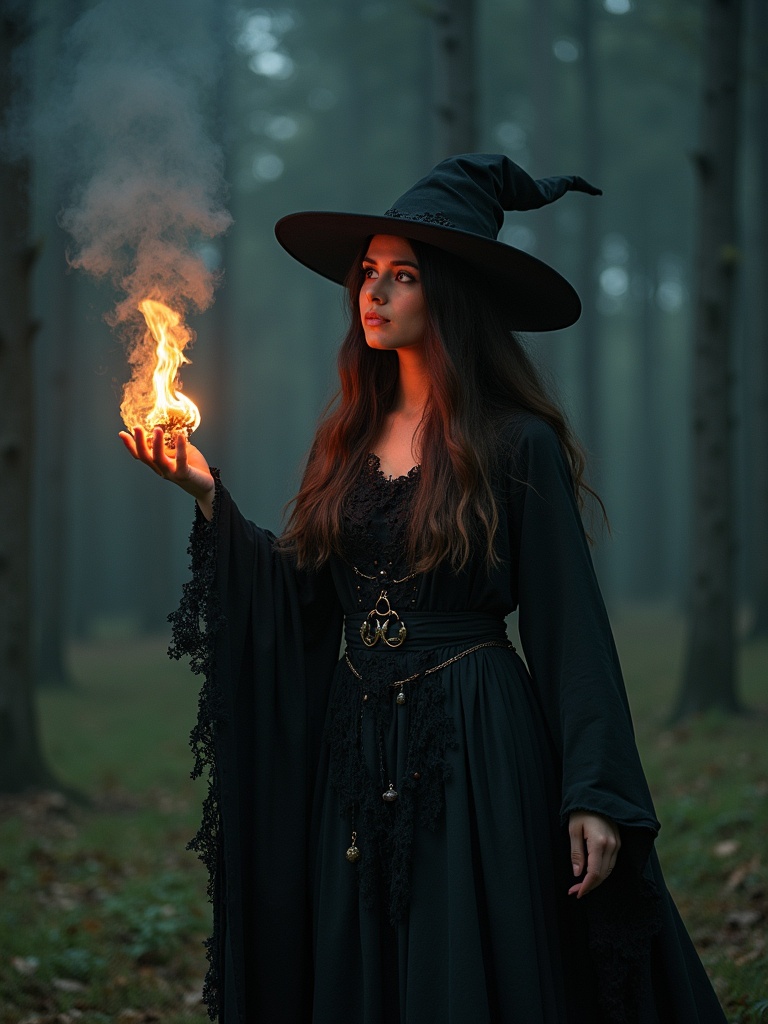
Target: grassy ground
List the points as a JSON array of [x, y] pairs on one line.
[[102, 911], [710, 783]]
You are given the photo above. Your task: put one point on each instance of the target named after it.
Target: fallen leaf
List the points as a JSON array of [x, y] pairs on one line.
[[743, 918], [67, 985], [55, 1018], [726, 848], [25, 964], [741, 873], [751, 954]]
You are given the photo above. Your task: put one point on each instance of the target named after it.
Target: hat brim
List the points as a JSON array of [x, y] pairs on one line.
[[536, 297]]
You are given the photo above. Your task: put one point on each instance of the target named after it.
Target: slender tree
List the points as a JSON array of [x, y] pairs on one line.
[[455, 78], [59, 342], [709, 674], [650, 564], [220, 327], [51, 602], [543, 148], [757, 323], [543, 143], [590, 241], [21, 761]]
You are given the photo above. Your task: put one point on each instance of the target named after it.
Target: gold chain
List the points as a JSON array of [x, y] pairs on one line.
[[436, 668], [383, 579]]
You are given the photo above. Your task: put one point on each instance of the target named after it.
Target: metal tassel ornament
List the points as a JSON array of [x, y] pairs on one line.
[[353, 853]]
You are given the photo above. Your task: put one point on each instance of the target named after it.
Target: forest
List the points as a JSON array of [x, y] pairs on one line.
[[186, 130]]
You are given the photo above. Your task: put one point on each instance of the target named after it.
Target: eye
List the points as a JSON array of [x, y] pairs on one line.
[[405, 275], [368, 272]]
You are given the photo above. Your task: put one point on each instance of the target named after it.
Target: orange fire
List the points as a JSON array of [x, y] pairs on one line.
[[152, 397]]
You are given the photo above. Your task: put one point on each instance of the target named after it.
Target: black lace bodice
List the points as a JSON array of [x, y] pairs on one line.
[[376, 517]]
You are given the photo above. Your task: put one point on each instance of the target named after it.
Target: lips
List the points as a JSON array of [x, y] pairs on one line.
[[374, 320]]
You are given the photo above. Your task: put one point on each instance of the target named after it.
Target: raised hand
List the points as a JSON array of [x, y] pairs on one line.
[[185, 466]]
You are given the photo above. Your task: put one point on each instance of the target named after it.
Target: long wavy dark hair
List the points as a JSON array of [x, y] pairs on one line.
[[481, 378]]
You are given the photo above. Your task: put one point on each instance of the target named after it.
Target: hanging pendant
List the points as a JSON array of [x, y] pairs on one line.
[[400, 699], [378, 621], [353, 853], [390, 795]]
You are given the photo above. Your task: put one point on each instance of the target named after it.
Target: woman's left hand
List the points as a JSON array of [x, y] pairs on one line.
[[595, 842]]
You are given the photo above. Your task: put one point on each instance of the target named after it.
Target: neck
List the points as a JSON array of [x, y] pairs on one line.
[[412, 383]]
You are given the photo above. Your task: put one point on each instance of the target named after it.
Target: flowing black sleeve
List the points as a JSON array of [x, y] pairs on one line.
[[572, 658], [265, 637], [643, 961], [568, 642]]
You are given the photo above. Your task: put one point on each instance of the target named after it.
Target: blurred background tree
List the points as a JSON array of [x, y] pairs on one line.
[[21, 760], [454, 84], [709, 673], [754, 361]]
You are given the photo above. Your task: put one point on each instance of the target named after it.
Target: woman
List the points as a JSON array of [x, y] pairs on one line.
[[428, 830]]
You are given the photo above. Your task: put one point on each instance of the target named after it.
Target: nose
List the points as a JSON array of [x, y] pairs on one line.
[[373, 290]]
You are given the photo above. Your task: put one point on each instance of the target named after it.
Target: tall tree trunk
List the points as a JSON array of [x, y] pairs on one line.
[[53, 529], [21, 762], [709, 674], [650, 563], [220, 328], [59, 341], [543, 148], [758, 321], [542, 86], [590, 243], [455, 78]]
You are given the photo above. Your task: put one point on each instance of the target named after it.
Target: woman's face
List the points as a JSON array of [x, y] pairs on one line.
[[392, 306]]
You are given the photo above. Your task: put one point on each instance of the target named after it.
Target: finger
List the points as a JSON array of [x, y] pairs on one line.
[[594, 875], [612, 853], [129, 442], [143, 452], [140, 440], [182, 464], [166, 465], [589, 882], [576, 832]]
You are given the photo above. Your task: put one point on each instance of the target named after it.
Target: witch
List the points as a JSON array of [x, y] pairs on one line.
[[435, 828]]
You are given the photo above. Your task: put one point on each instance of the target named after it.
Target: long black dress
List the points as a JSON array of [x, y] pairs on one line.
[[454, 786]]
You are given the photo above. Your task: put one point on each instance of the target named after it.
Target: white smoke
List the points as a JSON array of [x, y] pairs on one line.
[[147, 177]]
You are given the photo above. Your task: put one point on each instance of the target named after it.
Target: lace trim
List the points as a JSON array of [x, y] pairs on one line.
[[374, 463], [195, 625], [385, 831], [421, 218], [623, 916], [382, 499]]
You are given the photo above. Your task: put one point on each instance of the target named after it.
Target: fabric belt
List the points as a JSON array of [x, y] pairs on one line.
[[468, 631]]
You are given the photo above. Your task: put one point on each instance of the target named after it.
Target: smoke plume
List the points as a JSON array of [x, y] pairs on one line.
[[147, 177]]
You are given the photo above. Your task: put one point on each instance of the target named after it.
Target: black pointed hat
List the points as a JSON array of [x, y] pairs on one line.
[[458, 207]]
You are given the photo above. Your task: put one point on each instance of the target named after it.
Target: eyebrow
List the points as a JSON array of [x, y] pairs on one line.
[[393, 263]]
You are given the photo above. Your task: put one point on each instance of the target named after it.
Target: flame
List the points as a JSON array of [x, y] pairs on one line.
[[152, 397]]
